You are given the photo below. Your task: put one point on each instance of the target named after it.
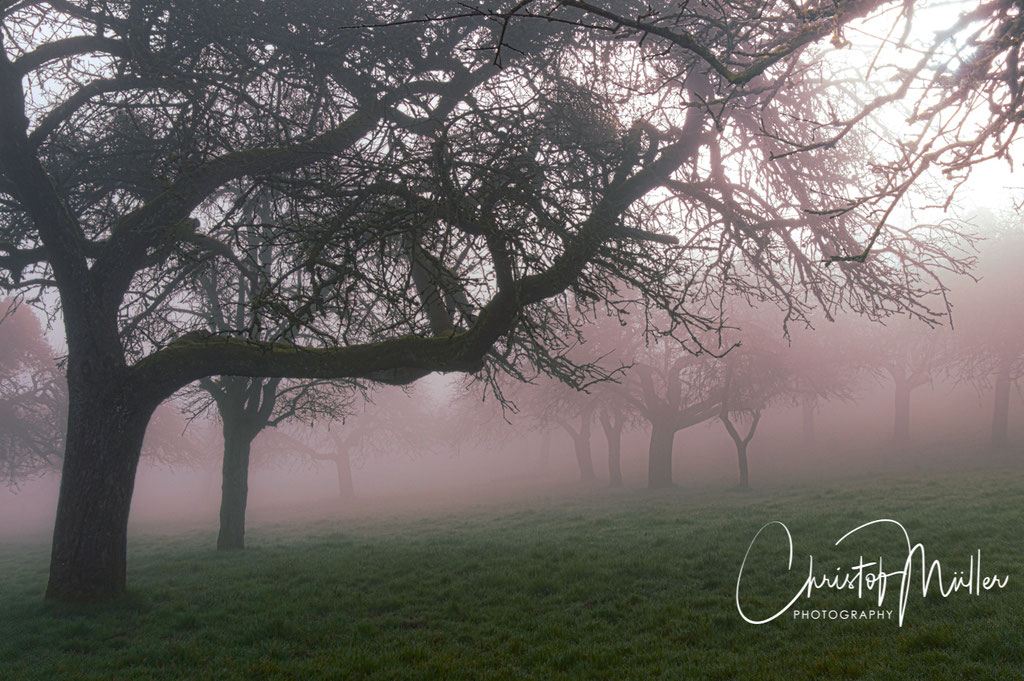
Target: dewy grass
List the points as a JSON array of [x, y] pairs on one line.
[[595, 585]]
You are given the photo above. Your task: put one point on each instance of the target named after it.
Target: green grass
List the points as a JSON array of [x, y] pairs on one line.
[[594, 585]]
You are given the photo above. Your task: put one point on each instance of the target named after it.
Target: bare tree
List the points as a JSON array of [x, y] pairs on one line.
[[545, 402], [538, 404], [667, 387], [826, 363], [989, 338], [754, 375], [33, 398], [389, 421], [614, 418], [912, 357], [224, 295]]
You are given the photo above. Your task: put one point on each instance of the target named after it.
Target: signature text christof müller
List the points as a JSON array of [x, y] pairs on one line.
[[869, 576]]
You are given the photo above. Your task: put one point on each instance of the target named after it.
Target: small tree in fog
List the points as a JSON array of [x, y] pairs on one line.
[[670, 388], [226, 297], [911, 355], [615, 416], [33, 398], [538, 404], [754, 375], [382, 421], [546, 403], [989, 350], [825, 363]]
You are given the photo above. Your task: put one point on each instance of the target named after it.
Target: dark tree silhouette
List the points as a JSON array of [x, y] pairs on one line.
[[614, 419], [246, 407], [580, 432]]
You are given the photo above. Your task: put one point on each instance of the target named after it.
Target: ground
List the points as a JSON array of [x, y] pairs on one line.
[[582, 584]]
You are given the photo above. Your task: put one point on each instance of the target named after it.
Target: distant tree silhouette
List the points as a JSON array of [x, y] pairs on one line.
[[33, 397], [989, 338]]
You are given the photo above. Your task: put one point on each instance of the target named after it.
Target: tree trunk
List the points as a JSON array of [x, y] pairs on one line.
[[741, 454], [235, 484], [583, 457], [659, 471], [615, 458], [344, 467], [106, 425], [613, 434], [581, 444], [808, 408], [742, 442], [245, 406], [1001, 408], [901, 425]]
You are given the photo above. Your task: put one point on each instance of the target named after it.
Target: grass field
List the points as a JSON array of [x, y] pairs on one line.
[[588, 584]]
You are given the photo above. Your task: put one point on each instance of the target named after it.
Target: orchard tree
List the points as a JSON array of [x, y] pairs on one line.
[[546, 403], [531, 404], [989, 340], [246, 407], [753, 375], [225, 297], [612, 338], [382, 421], [911, 356], [615, 417], [441, 184], [33, 397], [550, 403], [826, 362], [671, 389]]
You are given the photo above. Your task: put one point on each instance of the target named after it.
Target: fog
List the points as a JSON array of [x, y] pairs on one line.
[[465, 450]]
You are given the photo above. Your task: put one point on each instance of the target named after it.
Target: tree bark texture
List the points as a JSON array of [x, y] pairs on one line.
[[106, 426]]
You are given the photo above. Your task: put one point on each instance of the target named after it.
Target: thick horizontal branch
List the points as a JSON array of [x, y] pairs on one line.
[[405, 359], [398, 361]]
